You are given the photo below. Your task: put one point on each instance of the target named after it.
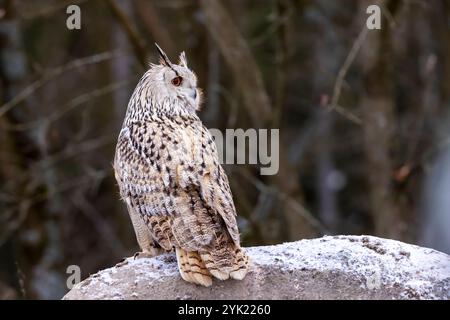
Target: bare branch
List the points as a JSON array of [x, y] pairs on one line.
[[239, 58], [130, 30], [341, 78], [105, 231], [149, 16], [53, 73], [72, 104], [292, 203]]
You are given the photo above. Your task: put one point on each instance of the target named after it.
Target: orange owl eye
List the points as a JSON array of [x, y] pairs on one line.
[[177, 81]]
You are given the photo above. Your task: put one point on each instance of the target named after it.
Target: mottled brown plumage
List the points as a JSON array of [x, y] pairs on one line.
[[176, 191]]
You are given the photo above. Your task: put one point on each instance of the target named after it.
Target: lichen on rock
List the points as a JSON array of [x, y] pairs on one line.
[[332, 267]]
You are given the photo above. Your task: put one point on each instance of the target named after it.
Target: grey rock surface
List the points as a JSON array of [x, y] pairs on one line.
[[332, 267]]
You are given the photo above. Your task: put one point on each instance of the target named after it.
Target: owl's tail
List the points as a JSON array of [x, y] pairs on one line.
[[227, 262], [192, 268], [224, 263]]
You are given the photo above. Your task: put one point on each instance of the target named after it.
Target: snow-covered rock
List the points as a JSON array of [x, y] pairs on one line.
[[332, 267]]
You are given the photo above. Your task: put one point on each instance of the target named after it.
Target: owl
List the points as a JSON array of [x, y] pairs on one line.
[[167, 167]]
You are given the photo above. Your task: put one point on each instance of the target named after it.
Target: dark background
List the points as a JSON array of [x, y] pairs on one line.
[[363, 118]]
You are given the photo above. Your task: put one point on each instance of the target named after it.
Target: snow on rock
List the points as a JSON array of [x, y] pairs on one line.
[[332, 267]]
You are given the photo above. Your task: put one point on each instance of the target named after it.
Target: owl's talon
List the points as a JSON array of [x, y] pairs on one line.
[[122, 262], [141, 255]]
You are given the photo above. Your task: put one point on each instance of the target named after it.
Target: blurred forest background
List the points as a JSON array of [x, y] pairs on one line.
[[363, 116]]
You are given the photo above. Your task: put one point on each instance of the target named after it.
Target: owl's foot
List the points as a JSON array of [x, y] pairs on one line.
[[144, 254], [138, 255], [123, 262]]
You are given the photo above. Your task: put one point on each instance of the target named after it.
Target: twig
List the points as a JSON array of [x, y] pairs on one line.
[[72, 151], [388, 15], [147, 13], [297, 207], [341, 77], [347, 114], [130, 30], [53, 73], [99, 222], [72, 104], [276, 23], [238, 56], [67, 153], [69, 185]]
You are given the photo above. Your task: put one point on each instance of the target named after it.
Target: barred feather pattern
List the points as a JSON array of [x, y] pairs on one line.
[[177, 192]]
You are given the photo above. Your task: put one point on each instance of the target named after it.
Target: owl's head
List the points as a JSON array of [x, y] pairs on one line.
[[166, 89]]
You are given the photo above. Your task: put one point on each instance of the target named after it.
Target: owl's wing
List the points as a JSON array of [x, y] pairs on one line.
[[169, 173]]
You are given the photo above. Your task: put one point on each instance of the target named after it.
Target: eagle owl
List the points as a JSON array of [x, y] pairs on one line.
[[167, 168]]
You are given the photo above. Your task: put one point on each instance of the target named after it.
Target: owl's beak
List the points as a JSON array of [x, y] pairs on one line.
[[193, 94]]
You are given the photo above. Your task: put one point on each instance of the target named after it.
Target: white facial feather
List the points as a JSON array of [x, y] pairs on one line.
[[166, 89]]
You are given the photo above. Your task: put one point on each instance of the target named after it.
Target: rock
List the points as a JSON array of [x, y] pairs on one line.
[[332, 267]]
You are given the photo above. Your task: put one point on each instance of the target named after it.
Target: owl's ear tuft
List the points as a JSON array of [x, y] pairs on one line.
[[182, 60], [163, 59]]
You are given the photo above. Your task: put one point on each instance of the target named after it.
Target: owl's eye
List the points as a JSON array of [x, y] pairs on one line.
[[177, 81]]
